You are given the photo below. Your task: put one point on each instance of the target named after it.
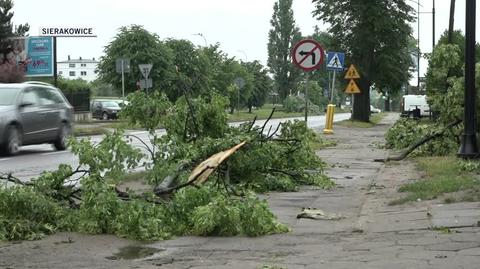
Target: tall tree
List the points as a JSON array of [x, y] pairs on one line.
[[262, 85], [283, 35], [375, 35], [141, 47]]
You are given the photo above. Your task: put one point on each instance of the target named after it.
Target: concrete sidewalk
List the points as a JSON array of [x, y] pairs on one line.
[[372, 234]]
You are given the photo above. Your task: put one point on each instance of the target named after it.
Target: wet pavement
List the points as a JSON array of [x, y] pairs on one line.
[[373, 234]]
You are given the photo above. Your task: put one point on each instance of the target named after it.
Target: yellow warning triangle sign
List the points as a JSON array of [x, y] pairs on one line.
[[352, 73], [352, 87]]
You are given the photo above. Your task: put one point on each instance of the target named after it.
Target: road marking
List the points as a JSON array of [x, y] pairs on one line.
[[6, 159], [56, 152]]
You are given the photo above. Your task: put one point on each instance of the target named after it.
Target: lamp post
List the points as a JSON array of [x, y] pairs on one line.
[[204, 39], [244, 54], [418, 34], [469, 148]]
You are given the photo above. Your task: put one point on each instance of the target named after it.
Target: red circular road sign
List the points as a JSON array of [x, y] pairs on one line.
[[308, 54]]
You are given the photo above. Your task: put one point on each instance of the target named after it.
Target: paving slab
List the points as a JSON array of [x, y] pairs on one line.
[[373, 233]]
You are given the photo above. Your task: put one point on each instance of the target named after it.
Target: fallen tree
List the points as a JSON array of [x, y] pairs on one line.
[[218, 198], [422, 141]]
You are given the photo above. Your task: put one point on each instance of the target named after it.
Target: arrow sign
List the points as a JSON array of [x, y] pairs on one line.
[[145, 69], [352, 87], [307, 54], [335, 61], [304, 53]]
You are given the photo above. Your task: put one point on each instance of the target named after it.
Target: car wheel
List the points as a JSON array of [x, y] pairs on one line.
[[63, 135], [104, 116], [13, 142]]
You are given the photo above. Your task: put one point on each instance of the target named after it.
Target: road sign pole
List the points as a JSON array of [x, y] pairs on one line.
[[123, 81], [306, 100], [332, 92]]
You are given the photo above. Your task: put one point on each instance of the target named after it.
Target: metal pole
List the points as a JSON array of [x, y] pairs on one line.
[[238, 101], [306, 101], [55, 71], [333, 87], [123, 81], [469, 148], [433, 25], [418, 44]]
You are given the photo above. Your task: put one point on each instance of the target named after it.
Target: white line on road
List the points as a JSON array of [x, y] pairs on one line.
[[6, 159], [56, 152]]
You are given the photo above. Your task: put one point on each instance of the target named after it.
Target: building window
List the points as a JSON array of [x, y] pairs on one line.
[[83, 73], [72, 73], [60, 72], [83, 65], [71, 65]]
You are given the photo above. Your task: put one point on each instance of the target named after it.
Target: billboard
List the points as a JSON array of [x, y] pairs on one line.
[[39, 57], [34, 55]]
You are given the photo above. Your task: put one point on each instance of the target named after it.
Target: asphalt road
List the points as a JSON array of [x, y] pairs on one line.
[[33, 160]]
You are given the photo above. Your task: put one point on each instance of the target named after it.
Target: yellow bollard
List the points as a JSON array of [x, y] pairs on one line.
[[329, 119]]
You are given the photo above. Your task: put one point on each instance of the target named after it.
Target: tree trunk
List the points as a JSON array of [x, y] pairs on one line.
[[361, 105], [387, 104], [250, 109], [450, 22]]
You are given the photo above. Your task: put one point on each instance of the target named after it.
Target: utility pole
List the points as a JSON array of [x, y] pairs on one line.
[[418, 46], [433, 25], [469, 148]]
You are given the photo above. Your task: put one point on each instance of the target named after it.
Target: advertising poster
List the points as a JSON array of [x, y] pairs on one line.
[[39, 57]]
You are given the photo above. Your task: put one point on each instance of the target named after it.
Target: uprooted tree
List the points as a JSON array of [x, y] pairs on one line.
[[218, 198]]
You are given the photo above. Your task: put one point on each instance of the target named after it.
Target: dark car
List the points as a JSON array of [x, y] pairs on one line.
[[105, 109], [33, 113]]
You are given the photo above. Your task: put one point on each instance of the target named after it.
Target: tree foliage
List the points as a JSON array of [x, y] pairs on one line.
[[141, 47], [9, 71], [89, 198], [375, 35], [281, 38]]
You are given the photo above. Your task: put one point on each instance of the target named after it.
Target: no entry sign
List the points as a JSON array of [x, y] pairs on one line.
[[308, 54]]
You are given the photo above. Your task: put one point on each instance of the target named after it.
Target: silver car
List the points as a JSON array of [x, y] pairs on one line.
[[33, 113]]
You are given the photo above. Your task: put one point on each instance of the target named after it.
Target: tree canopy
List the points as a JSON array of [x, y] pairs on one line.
[[9, 72], [281, 38], [375, 35], [141, 47]]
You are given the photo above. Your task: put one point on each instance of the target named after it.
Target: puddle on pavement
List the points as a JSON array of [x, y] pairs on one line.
[[134, 252]]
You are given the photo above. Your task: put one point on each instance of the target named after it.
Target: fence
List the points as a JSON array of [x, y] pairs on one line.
[[79, 99]]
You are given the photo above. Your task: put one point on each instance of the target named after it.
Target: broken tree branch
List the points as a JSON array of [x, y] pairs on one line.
[[419, 143]]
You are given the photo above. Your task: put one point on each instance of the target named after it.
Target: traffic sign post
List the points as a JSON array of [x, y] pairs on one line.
[[335, 62], [352, 87], [122, 66], [146, 82], [307, 55]]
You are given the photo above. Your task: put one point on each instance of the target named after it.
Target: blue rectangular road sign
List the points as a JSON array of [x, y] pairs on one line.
[[335, 61]]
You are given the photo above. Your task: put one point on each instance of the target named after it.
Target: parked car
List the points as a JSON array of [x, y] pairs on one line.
[[374, 109], [33, 113], [105, 109]]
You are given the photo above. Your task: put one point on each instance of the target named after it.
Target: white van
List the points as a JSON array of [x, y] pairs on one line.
[[410, 102]]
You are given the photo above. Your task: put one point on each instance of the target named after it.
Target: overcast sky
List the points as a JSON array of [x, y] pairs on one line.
[[240, 26]]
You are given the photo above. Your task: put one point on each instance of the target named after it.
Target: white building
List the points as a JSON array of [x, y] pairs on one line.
[[78, 68]]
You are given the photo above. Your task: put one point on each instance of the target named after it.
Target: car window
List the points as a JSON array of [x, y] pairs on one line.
[[8, 96], [111, 104], [48, 96], [30, 97]]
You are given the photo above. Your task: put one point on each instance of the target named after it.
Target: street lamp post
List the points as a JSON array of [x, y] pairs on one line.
[[469, 148], [244, 54], [204, 39], [418, 46]]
